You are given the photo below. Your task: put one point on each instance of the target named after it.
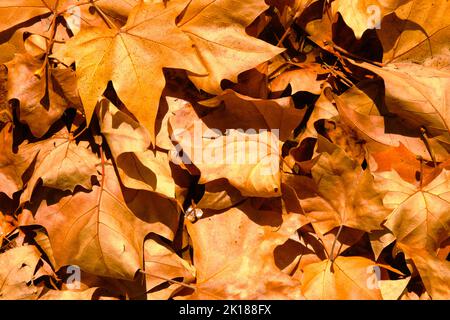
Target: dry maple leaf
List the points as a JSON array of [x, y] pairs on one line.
[[14, 12], [68, 294], [156, 145], [163, 265], [12, 165], [345, 278], [361, 15], [242, 112], [43, 97], [381, 132], [233, 254], [393, 289], [219, 195], [100, 230], [91, 13], [404, 162], [424, 208], [434, 272], [418, 94], [217, 28], [139, 168], [419, 29], [340, 193], [133, 58], [17, 267], [60, 163], [240, 157]]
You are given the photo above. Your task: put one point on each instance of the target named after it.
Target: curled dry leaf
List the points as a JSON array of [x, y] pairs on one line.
[[17, 268], [434, 272], [361, 15], [139, 168], [12, 165], [163, 265], [60, 163], [417, 30], [44, 93], [304, 78], [240, 157]]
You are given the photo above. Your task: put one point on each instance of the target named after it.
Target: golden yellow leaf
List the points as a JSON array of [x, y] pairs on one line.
[[44, 93], [425, 208], [103, 230], [60, 163], [217, 28], [340, 193], [346, 278], [234, 254], [133, 58], [139, 168], [17, 268]]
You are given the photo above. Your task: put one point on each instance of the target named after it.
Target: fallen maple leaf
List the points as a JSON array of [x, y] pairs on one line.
[[139, 168], [43, 93], [88, 229], [345, 278], [234, 259], [362, 15], [417, 94], [224, 149], [17, 267], [228, 50], [133, 58], [425, 208], [60, 163], [435, 273], [417, 30], [22, 10], [381, 132], [240, 157], [12, 165], [340, 193]]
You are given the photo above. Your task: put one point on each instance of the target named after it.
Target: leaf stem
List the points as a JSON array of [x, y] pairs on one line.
[[332, 256], [423, 133], [108, 21], [168, 280]]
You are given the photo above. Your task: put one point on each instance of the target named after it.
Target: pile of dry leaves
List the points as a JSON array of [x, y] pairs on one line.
[[224, 149]]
